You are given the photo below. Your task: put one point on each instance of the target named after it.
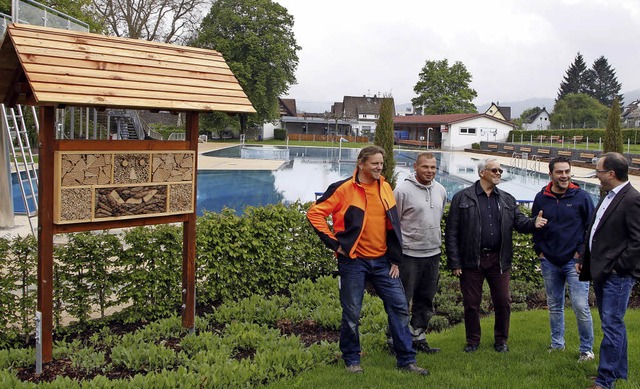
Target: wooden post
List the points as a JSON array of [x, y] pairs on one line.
[[189, 235], [45, 228]]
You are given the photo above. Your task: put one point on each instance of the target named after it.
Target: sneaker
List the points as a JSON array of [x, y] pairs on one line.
[[423, 346], [470, 348], [554, 349], [586, 356], [413, 368], [354, 369], [501, 348]]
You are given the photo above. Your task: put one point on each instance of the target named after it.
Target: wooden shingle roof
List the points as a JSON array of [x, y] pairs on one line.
[[45, 66]]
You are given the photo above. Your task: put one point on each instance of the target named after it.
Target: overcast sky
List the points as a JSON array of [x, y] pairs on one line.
[[514, 49]]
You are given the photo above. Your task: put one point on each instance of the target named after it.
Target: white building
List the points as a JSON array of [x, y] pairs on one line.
[[538, 121], [451, 131]]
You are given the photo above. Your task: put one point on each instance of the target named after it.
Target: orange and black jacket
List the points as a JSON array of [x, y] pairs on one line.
[[346, 202]]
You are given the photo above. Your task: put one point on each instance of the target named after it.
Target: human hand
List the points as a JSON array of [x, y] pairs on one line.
[[540, 221], [341, 251], [394, 272], [457, 272], [578, 268]]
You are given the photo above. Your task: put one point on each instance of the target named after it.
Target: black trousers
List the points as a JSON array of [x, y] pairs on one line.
[[420, 277], [471, 282]]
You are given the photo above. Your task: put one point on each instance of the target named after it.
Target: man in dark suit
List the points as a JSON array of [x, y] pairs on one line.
[[612, 261]]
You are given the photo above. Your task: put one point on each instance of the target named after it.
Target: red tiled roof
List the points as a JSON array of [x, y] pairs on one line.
[[440, 119], [443, 119]]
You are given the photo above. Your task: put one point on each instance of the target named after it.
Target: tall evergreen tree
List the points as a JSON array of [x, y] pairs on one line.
[[575, 79], [603, 83], [384, 138], [613, 134]]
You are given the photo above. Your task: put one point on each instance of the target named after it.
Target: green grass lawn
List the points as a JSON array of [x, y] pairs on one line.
[[528, 364], [351, 145]]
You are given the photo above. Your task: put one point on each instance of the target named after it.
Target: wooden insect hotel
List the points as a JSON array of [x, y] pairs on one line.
[[89, 184]]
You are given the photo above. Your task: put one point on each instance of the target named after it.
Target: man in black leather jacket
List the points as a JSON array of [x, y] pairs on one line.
[[478, 239]]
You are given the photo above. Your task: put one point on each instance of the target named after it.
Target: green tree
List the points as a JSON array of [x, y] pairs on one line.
[[5, 7], [613, 135], [576, 78], [444, 89], [384, 138], [603, 83], [257, 41], [578, 110]]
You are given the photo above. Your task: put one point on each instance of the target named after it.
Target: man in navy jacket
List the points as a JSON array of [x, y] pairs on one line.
[[568, 210]]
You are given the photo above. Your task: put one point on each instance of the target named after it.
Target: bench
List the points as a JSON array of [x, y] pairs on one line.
[[554, 138], [565, 153], [576, 138], [525, 149], [587, 155], [493, 146], [543, 151], [508, 148], [635, 161], [416, 143], [541, 138]]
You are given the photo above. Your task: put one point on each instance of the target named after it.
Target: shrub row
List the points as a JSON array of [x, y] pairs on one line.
[[261, 252]]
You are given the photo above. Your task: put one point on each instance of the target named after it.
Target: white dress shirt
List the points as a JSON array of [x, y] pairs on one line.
[[603, 207]]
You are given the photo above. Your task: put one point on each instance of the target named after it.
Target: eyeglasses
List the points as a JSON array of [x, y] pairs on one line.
[[496, 170], [602, 171]]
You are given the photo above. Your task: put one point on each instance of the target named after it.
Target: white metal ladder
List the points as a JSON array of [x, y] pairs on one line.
[[22, 158]]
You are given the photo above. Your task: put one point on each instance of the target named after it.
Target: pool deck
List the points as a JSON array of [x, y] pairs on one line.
[[219, 163], [22, 228]]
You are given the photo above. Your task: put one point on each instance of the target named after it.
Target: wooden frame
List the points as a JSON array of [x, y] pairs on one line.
[[48, 68], [80, 177]]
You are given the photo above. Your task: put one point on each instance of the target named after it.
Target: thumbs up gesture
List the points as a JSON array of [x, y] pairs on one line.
[[540, 220]]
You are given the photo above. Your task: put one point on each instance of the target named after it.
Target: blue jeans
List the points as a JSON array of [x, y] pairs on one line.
[[555, 278], [612, 298], [353, 274]]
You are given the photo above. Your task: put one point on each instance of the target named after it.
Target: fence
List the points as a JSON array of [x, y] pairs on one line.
[[327, 138]]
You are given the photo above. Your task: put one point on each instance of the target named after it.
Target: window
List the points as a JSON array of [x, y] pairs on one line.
[[467, 131]]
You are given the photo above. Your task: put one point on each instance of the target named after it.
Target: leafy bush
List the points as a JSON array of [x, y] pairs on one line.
[[85, 274], [151, 269], [279, 134], [261, 252]]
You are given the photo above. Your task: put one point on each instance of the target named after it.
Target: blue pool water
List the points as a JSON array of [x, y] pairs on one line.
[[311, 170]]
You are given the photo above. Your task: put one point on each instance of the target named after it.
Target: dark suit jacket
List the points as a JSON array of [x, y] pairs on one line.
[[616, 242]]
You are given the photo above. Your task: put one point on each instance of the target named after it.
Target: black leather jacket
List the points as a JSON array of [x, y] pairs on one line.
[[463, 230]]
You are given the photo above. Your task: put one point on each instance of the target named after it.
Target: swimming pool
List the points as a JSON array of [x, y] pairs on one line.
[[311, 170]]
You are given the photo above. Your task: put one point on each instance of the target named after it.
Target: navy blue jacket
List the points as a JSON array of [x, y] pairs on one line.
[[568, 218]]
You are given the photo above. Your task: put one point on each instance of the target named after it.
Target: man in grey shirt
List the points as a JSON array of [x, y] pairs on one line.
[[420, 202]]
